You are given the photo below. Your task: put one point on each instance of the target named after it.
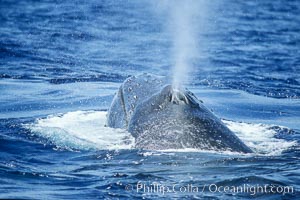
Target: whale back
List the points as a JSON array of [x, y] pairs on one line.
[[161, 117], [177, 119], [132, 92]]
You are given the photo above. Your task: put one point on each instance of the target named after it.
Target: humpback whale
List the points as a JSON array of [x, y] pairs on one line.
[[160, 116]]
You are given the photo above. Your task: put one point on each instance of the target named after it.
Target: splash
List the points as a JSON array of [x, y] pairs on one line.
[[261, 137], [81, 130]]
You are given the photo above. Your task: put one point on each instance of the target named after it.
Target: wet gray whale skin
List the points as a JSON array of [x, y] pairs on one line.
[[160, 117]]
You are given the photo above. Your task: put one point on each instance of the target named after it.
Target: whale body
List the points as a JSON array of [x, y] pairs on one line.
[[161, 117]]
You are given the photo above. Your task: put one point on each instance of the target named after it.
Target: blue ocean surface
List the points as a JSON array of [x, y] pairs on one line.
[[61, 63]]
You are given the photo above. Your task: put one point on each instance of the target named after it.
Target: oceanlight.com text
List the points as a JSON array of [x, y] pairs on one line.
[[251, 189]]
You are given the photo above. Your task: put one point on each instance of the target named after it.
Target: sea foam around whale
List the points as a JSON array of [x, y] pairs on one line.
[[85, 130]]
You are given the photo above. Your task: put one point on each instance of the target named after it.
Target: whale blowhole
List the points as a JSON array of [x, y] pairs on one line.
[[157, 113]]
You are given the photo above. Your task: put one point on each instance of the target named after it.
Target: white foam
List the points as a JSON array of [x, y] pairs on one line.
[[260, 137], [82, 130], [86, 130]]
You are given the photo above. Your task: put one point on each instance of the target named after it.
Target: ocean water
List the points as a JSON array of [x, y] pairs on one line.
[[62, 61]]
